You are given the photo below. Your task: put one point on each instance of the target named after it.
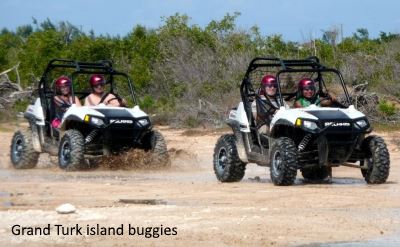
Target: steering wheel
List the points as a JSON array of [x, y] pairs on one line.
[[289, 96]]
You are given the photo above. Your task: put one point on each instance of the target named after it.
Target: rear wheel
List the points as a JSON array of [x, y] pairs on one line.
[[155, 142], [377, 160], [283, 168], [227, 165], [71, 151], [23, 155]]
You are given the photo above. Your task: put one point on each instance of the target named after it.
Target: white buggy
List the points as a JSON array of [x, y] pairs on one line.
[[312, 139], [85, 131]]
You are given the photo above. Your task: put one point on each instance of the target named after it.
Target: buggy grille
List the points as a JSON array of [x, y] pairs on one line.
[[339, 132], [124, 132]]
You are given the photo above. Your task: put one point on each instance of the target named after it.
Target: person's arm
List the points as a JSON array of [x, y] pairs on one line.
[[285, 104], [328, 100], [297, 104], [57, 101], [254, 109], [77, 101], [87, 103], [112, 100]]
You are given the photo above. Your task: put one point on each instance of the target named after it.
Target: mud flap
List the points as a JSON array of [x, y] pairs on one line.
[[323, 150], [239, 140], [240, 147], [37, 146]]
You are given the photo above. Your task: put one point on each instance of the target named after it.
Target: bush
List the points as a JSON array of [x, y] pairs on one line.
[[21, 105], [192, 122], [147, 103], [388, 109], [178, 65]]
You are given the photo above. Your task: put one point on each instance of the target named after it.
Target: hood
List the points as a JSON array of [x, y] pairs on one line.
[[114, 112], [329, 113], [317, 113], [104, 111]]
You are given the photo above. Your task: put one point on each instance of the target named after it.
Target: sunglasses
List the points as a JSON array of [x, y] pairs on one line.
[[309, 89], [99, 85], [270, 86]]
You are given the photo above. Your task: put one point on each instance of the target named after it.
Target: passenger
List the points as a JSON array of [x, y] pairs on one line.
[[98, 96], [268, 89], [262, 110], [63, 100], [308, 96]]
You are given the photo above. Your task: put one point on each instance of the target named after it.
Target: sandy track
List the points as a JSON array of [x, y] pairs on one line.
[[204, 211]]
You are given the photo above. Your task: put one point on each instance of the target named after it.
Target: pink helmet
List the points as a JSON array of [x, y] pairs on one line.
[[268, 80], [96, 79], [306, 83], [63, 81]]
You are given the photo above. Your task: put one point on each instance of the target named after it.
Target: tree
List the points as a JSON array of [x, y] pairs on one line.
[[387, 37], [69, 31], [331, 36], [24, 31], [226, 25], [361, 35]]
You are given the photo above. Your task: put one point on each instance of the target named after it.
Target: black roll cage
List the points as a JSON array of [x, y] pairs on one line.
[[286, 66], [103, 67]]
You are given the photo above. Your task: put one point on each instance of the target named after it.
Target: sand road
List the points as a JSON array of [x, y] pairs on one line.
[[189, 199]]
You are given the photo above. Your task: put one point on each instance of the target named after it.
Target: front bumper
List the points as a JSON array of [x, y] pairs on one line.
[[116, 135]]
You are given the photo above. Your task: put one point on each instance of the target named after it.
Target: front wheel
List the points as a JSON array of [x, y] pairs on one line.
[[227, 165], [283, 162], [377, 160], [22, 153], [71, 151]]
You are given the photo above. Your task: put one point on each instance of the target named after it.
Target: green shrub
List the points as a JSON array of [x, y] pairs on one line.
[[147, 103], [192, 122], [21, 105], [388, 109]]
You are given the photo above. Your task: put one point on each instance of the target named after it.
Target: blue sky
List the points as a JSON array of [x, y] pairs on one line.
[[296, 20]]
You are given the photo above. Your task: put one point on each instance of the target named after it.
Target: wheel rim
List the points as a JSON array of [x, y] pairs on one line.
[[277, 163], [222, 160], [65, 153], [17, 148]]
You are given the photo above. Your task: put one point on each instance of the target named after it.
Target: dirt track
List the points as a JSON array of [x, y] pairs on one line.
[[204, 211]]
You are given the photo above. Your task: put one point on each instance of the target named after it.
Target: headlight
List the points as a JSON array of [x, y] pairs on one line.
[[361, 124], [143, 122], [96, 121], [310, 125]]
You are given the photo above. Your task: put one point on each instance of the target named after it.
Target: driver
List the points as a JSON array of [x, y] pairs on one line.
[[308, 96], [98, 96]]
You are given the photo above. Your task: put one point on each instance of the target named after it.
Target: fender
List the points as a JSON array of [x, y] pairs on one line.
[[239, 139], [239, 115], [37, 134], [34, 113], [66, 120], [278, 124]]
